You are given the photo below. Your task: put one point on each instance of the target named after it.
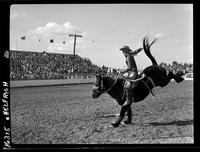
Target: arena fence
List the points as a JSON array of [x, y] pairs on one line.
[[32, 83]]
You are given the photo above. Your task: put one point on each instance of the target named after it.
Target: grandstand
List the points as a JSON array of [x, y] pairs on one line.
[[25, 65]]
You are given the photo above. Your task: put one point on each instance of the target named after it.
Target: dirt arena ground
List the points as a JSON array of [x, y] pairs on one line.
[[68, 115]]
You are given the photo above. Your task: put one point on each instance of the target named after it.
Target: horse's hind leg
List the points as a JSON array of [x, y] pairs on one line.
[[177, 77]]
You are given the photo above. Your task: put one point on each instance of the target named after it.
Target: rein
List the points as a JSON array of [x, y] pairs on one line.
[[110, 87]]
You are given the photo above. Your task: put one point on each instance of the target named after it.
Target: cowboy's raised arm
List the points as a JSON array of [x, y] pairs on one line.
[[137, 51]]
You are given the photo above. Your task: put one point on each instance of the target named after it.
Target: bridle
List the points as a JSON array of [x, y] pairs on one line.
[[102, 86]]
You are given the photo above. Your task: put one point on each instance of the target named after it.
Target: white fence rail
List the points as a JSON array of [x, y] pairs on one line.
[[30, 83]]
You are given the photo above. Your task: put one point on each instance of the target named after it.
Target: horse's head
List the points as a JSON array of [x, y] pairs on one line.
[[98, 87]]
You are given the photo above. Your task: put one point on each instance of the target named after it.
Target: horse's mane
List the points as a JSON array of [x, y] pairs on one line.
[[114, 78]]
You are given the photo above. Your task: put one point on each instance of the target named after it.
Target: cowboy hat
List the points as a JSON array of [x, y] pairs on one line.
[[125, 48]]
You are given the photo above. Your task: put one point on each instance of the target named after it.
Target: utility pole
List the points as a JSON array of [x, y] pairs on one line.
[[16, 45], [74, 35]]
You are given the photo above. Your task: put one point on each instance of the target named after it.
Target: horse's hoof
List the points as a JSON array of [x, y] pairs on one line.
[[180, 79], [115, 124], [127, 122]]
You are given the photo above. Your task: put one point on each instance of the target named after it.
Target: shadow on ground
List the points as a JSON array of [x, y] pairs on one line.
[[178, 123]]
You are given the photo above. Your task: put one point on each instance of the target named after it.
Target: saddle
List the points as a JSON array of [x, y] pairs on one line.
[[130, 83], [139, 77]]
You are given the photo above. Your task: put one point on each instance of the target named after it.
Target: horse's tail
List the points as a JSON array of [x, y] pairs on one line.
[[146, 47]]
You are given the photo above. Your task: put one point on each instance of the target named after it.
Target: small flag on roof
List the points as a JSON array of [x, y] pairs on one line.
[[51, 41], [23, 37]]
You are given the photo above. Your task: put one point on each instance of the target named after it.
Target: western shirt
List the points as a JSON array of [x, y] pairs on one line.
[[130, 61]]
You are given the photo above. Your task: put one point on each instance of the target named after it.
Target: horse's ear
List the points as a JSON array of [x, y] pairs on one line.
[[102, 75], [97, 75]]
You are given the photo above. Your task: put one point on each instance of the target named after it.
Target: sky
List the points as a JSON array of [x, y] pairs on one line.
[[105, 28]]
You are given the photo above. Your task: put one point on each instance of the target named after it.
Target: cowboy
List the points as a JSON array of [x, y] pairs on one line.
[[131, 71]]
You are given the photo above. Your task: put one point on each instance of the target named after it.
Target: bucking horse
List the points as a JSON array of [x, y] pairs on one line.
[[152, 76]]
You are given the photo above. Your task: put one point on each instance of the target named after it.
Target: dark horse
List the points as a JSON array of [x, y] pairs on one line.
[[153, 76]]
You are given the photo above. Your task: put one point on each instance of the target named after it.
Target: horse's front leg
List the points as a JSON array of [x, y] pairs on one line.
[[126, 106], [129, 112], [121, 116]]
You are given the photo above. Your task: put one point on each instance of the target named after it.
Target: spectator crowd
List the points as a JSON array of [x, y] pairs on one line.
[[26, 65], [43, 65], [175, 67]]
